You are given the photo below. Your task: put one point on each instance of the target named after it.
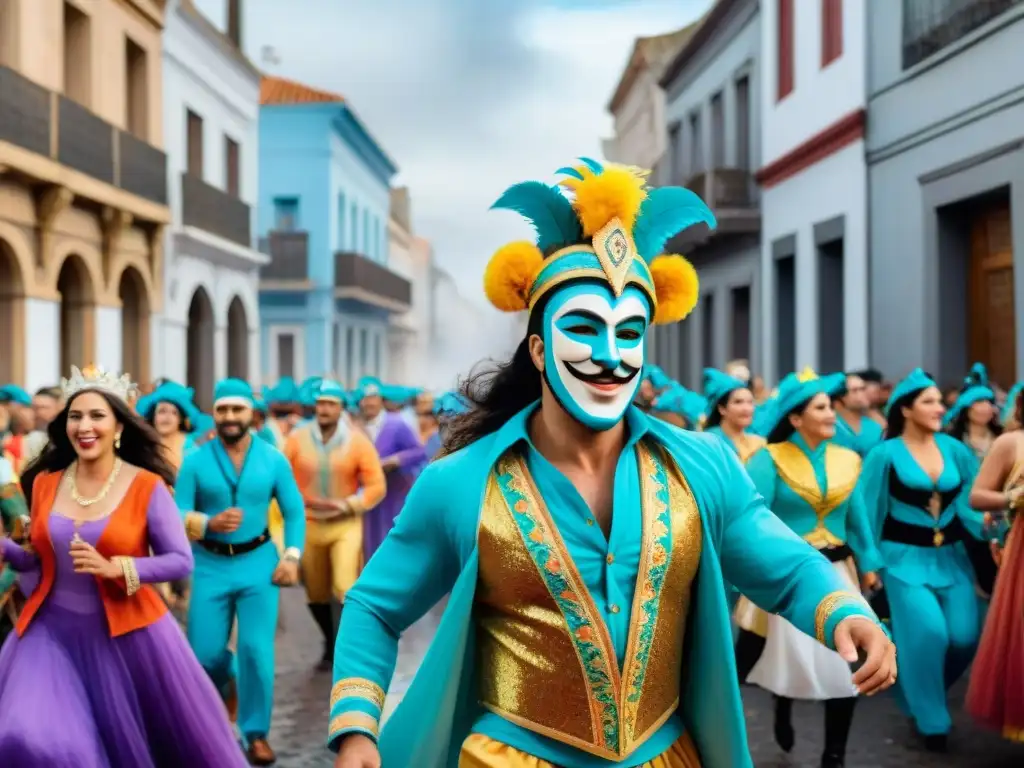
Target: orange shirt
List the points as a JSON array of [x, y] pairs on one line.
[[348, 468], [125, 535]]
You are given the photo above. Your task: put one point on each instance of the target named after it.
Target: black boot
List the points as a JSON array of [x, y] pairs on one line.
[[838, 718], [937, 742], [749, 647], [784, 735], [322, 616]]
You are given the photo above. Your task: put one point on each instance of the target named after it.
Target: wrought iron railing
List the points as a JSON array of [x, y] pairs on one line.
[[289, 256], [931, 25], [353, 270]]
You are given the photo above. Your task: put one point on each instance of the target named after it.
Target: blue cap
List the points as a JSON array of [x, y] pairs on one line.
[[975, 390], [915, 381], [12, 393], [171, 392], [796, 390], [368, 386], [718, 385], [233, 392], [286, 392], [308, 391], [331, 391]]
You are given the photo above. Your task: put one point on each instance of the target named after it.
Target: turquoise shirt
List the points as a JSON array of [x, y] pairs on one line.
[[847, 523], [863, 440], [208, 484], [610, 584], [936, 567]]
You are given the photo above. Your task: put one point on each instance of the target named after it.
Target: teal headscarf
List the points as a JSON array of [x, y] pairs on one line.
[[797, 389], [915, 381], [286, 392], [177, 395], [717, 386], [683, 402], [975, 390], [12, 393]]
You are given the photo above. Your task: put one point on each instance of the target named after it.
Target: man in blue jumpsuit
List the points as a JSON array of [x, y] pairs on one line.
[[224, 490]]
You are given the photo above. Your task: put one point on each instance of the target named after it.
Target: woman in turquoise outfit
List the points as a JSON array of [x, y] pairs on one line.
[[974, 418], [915, 486], [811, 484], [584, 544], [730, 412]]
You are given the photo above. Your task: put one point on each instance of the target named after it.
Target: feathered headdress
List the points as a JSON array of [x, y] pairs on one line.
[[613, 228]]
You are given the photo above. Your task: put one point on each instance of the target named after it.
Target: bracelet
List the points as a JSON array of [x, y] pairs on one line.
[[130, 573]]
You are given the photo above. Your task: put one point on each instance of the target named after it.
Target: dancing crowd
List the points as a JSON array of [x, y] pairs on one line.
[[614, 554]]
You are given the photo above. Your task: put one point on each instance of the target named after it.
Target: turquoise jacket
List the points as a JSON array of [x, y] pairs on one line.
[[861, 441], [816, 494], [433, 551], [935, 567]]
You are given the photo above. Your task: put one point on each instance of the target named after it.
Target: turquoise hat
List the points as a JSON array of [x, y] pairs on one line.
[[286, 392], [171, 392], [259, 405], [915, 381], [1011, 402], [658, 378], [203, 423], [450, 404], [683, 402], [795, 390], [368, 386], [331, 391], [12, 393], [233, 392], [308, 391], [975, 390], [718, 385]]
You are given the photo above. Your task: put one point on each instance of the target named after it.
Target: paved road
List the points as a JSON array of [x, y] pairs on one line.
[[881, 738]]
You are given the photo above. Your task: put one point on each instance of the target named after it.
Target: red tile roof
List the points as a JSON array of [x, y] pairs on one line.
[[279, 90]]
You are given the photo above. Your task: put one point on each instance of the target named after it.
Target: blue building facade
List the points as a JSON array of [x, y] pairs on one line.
[[327, 295]]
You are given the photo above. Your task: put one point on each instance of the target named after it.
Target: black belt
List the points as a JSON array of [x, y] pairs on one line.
[[920, 536], [837, 554], [230, 550]]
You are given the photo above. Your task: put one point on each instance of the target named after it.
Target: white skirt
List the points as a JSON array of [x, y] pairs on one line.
[[797, 666]]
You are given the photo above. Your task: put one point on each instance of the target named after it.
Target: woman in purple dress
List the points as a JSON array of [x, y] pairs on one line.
[[98, 675]]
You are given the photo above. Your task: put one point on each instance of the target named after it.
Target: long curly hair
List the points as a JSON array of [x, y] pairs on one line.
[[140, 444]]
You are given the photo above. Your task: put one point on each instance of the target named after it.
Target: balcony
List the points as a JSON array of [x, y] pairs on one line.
[[931, 27], [358, 278], [289, 261], [61, 130], [732, 194], [214, 211]]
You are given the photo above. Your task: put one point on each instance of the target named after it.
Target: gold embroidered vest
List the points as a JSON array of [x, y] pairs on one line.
[[545, 658], [842, 468]]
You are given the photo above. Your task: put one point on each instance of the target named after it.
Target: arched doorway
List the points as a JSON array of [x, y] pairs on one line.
[[199, 370], [135, 324], [77, 300], [238, 340], [12, 316]]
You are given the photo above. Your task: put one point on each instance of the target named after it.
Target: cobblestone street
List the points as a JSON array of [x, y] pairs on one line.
[[882, 737]]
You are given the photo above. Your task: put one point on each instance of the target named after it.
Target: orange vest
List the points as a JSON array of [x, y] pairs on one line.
[[125, 535]]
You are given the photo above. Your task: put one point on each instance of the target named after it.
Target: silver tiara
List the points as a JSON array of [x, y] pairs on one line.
[[95, 377]]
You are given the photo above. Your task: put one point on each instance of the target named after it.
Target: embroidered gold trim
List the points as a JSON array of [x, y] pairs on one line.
[[829, 604], [748, 445], [195, 525], [353, 721], [130, 573], [358, 688]]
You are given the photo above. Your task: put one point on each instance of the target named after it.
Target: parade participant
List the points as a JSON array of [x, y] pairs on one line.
[[730, 412], [875, 390], [20, 420], [680, 407], [170, 411], [915, 486], [98, 673], [854, 428], [402, 456], [283, 402], [13, 517], [810, 483], [995, 696], [224, 490], [341, 479], [307, 400], [974, 418], [563, 639]]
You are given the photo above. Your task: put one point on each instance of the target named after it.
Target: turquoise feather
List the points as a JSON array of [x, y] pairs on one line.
[[567, 171], [979, 375], [593, 165], [665, 213], [547, 209]]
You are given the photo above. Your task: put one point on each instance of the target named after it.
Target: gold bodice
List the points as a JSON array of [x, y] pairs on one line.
[[546, 660]]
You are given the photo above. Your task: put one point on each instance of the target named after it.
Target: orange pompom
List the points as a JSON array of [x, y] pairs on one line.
[[510, 274], [677, 287]]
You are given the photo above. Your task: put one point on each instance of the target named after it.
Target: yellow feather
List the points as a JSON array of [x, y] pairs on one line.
[[677, 287], [510, 274], [616, 192]]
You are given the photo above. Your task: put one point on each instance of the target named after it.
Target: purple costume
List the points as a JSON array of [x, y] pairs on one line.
[[394, 438], [71, 696]]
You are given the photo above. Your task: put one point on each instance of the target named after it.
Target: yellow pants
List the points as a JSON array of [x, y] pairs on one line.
[[332, 559], [479, 751]]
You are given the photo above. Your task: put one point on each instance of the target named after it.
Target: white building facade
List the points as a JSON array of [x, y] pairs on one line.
[[814, 295], [209, 327]]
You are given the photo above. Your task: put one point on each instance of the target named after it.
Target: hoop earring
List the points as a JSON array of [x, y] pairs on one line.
[[117, 442]]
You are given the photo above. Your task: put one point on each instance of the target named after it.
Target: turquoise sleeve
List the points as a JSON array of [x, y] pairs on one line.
[[416, 565], [860, 535], [873, 486], [761, 469], [185, 485], [289, 499]]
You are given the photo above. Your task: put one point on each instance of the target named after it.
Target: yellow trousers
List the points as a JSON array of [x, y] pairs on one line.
[[479, 751], [332, 559]]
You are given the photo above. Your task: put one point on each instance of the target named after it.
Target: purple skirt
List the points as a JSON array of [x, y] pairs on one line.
[[73, 697]]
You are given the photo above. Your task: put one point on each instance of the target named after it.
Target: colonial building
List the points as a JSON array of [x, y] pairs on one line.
[[325, 199], [83, 186], [713, 112], [814, 185], [409, 333], [638, 104], [210, 324], [945, 150]]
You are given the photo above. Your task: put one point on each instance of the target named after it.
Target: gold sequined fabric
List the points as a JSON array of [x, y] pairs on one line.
[[479, 751]]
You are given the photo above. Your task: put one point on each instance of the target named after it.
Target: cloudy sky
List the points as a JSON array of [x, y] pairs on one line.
[[468, 96]]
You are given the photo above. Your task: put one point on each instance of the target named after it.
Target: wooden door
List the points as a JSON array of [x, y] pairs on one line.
[[992, 320]]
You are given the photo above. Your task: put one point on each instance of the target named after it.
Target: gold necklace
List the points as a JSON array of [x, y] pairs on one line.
[[81, 500]]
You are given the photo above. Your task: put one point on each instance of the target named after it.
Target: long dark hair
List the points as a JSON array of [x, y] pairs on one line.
[[715, 416], [958, 428], [139, 442], [896, 422]]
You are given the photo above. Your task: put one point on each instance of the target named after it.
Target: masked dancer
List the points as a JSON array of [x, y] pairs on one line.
[[98, 673], [811, 484], [575, 635], [224, 490], [341, 480], [915, 487]]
